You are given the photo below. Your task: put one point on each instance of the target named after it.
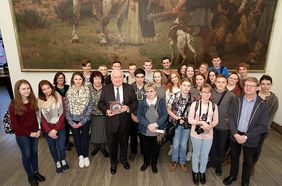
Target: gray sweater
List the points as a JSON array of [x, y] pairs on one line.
[[273, 104], [223, 109]]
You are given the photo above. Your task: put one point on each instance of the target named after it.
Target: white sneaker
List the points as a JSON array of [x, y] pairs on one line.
[[170, 150], [188, 156], [81, 161], [86, 162]]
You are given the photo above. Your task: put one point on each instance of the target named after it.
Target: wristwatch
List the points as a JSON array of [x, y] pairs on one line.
[[246, 137]]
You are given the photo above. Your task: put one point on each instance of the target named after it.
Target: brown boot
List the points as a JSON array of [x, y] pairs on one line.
[[184, 167], [172, 166]]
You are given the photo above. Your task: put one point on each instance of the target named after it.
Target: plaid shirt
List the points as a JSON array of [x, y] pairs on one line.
[[177, 104]]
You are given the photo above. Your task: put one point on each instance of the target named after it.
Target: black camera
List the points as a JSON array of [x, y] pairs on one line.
[[198, 128], [185, 124]]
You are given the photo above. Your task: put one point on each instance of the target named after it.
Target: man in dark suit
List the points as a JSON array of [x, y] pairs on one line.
[[118, 122], [248, 120]]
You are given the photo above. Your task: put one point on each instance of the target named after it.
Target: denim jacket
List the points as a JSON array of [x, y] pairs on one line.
[[141, 112]]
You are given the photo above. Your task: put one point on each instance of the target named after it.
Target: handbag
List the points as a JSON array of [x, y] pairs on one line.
[[7, 124], [170, 130], [161, 138]]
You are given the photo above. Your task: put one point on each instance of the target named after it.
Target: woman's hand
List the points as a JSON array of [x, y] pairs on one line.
[[152, 127], [206, 126]]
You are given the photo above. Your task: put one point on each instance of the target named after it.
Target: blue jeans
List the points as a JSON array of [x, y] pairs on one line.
[[57, 146], [200, 154], [28, 147], [81, 139], [179, 146]]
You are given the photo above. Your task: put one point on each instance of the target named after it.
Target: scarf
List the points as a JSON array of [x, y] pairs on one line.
[[51, 109], [78, 99]]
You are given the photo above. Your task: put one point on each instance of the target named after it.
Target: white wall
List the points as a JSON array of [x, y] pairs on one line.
[[9, 37]]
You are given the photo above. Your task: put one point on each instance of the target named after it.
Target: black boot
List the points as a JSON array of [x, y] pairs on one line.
[[32, 181], [203, 178], [218, 169], [195, 178], [38, 176]]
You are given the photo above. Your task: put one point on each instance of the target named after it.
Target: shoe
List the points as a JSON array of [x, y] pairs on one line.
[[184, 168], [132, 157], [59, 168], [32, 180], [65, 165], [39, 177], [144, 167], [86, 162], [244, 184], [95, 151], [172, 166], [218, 170], [154, 169], [170, 150], [195, 178], [105, 153], [228, 180], [125, 165], [188, 156], [81, 161], [203, 178], [113, 169]]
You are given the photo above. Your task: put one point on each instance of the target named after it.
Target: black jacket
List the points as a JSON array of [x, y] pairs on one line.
[[257, 123]]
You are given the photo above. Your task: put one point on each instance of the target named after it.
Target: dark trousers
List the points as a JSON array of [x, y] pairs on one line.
[[119, 138], [28, 147], [151, 149], [57, 146], [67, 128], [259, 147], [220, 138], [81, 139], [248, 160], [133, 137]]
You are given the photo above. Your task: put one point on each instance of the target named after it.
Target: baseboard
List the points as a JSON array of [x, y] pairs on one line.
[[276, 127]]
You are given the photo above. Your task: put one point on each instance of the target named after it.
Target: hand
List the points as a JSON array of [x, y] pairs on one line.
[[181, 121], [33, 134], [152, 127], [134, 118], [206, 126], [240, 138], [75, 126], [38, 133], [110, 113], [124, 108]]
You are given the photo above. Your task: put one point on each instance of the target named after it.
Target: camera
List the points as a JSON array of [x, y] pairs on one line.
[[185, 124], [198, 128]]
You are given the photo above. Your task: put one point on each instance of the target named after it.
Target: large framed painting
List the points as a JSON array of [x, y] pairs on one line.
[[57, 34]]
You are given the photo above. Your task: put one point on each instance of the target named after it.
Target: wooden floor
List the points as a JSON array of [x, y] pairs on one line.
[[268, 169]]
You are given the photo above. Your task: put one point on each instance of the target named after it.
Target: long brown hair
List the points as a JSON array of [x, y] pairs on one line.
[[169, 85], [41, 95], [18, 102]]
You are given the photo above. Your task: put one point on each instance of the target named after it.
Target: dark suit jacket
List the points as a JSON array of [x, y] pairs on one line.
[[119, 121]]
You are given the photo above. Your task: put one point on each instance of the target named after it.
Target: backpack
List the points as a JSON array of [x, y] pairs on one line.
[[7, 124]]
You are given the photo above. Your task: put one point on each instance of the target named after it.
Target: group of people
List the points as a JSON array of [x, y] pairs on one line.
[[211, 109]]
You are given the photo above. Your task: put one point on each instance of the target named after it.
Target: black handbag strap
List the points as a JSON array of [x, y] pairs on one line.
[[221, 98]]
